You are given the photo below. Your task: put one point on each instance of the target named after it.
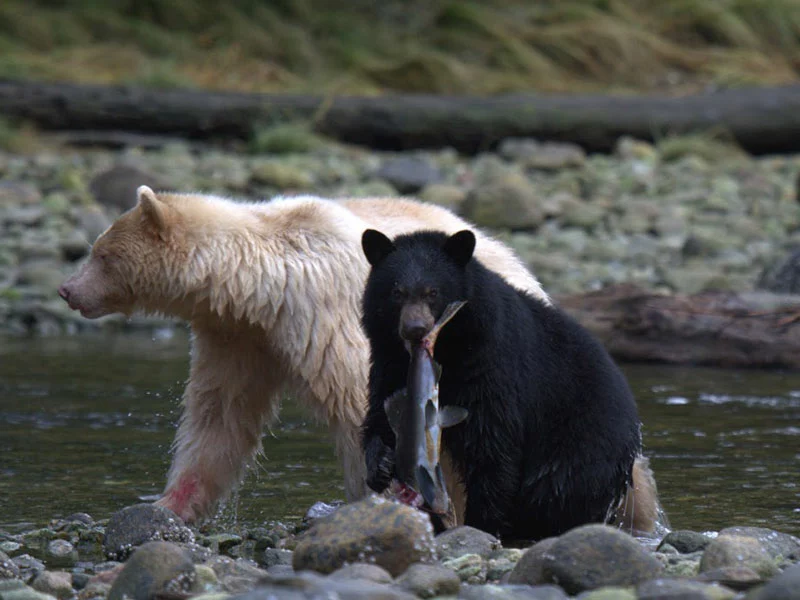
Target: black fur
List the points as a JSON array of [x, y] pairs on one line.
[[552, 430]]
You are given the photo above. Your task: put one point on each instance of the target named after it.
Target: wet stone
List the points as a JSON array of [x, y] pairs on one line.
[[529, 568], [736, 578], [685, 541], [777, 544], [275, 556], [735, 551], [609, 593], [593, 556], [674, 589], [470, 568], [427, 581], [501, 562], [785, 586], [153, 568], [8, 569], [135, 525], [28, 566], [371, 530], [364, 571], [54, 583], [61, 553], [465, 540], [511, 592]]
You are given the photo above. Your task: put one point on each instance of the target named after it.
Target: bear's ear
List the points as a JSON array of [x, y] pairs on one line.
[[460, 246], [376, 246], [153, 209]]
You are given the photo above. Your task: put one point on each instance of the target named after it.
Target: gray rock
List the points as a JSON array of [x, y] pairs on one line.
[[28, 566], [320, 510], [427, 581], [281, 175], [736, 551], [23, 593], [205, 579], [577, 213], [153, 568], [55, 583], [685, 541], [511, 592], [609, 593], [506, 202], [28, 216], [777, 544], [529, 568], [594, 556], [735, 578], [308, 585], [8, 569], [442, 194], [235, 576], [465, 540], [549, 156], [16, 193], [364, 571], [274, 556], [60, 553], [680, 565], [92, 221], [470, 568], [501, 562], [409, 174], [785, 586], [134, 525], [676, 589], [372, 530], [116, 187]]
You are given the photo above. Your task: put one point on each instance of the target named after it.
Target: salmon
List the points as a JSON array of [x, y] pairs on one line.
[[417, 420]]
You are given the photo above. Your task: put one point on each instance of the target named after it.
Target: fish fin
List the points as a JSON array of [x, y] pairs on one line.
[[427, 487], [451, 415], [394, 406], [430, 414], [437, 370]]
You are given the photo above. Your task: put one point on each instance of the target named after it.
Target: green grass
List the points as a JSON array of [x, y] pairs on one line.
[[438, 46]]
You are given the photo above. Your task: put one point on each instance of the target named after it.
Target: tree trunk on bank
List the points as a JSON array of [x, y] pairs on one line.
[[722, 329], [762, 120]]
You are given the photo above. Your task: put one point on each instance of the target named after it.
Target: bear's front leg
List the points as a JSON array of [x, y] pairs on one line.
[[232, 391]]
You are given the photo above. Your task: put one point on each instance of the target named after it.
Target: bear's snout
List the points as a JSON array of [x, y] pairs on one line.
[[416, 321], [63, 291]]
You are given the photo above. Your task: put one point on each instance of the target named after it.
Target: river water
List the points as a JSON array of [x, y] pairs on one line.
[[86, 425]]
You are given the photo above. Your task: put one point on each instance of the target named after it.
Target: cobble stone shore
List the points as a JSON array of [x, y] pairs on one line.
[[684, 222], [375, 548]]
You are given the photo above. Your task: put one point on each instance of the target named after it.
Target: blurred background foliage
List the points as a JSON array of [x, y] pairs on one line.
[[379, 46]]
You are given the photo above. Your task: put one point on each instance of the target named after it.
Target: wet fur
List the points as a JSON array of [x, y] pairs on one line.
[[552, 433]]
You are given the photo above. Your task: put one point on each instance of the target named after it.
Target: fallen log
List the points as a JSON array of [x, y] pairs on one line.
[[761, 120], [723, 329]]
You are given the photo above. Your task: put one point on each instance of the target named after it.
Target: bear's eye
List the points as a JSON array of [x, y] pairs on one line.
[[432, 294], [398, 293]]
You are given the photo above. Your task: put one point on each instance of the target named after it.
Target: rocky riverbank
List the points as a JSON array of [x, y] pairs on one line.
[[380, 549], [685, 216]]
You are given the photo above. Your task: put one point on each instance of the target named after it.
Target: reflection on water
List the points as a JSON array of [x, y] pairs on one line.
[[86, 423]]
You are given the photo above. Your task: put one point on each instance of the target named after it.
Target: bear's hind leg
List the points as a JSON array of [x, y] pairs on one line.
[[640, 512], [233, 389]]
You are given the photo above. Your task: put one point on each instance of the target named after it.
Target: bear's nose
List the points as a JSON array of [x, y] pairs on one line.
[[413, 331], [63, 291]]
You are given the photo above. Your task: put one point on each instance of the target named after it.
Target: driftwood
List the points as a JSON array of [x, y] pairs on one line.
[[714, 328], [762, 120]]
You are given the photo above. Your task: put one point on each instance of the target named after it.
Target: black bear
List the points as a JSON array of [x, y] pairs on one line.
[[552, 432]]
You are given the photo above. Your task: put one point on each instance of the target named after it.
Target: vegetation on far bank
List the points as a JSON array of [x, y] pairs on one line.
[[375, 46]]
